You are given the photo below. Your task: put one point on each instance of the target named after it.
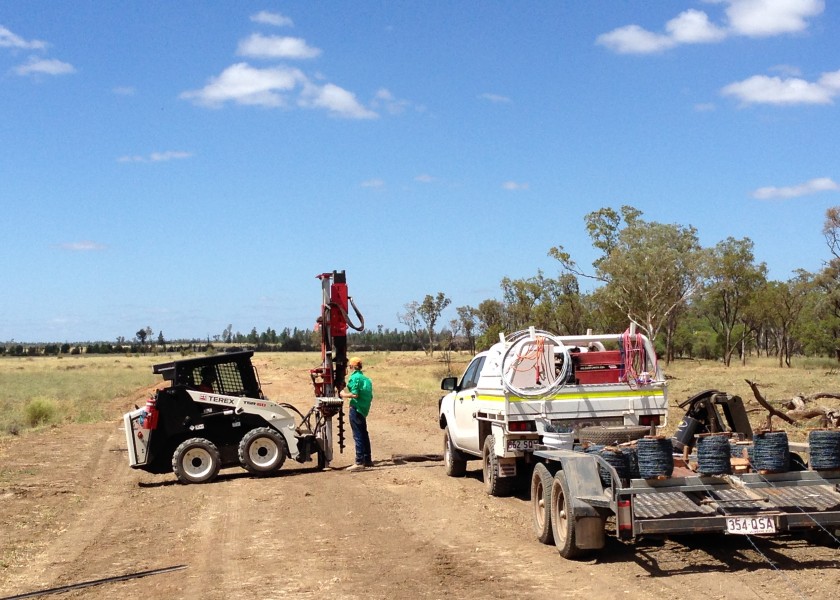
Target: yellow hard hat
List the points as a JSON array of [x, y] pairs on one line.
[[355, 361]]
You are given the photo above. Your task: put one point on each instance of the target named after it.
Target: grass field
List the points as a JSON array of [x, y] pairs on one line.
[[47, 391]]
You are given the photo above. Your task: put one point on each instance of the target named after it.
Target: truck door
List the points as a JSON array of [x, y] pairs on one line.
[[465, 403]]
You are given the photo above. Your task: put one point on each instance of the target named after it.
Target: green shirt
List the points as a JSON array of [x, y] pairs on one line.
[[360, 385]]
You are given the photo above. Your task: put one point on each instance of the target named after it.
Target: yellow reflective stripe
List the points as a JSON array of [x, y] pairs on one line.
[[577, 396]]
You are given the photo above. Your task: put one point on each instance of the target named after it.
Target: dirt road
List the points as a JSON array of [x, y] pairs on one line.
[[71, 511]]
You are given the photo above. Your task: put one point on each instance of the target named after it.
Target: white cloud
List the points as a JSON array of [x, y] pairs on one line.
[[495, 98], [385, 99], [704, 107], [373, 183], [244, 84], [275, 46], [761, 89], [513, 186], [425, 178], [632, 39], [44, 66], [336, 100], [753, 18], [11, 40], [157, 157], [270, 18], [693, 27], [822, 184], [85, 246], [763, 18], [124, 90]]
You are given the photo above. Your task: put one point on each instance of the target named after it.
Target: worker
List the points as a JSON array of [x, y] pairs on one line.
[[360, 391], [208, 376]]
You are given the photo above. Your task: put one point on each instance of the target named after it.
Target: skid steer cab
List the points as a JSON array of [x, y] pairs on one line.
[[214, 415]]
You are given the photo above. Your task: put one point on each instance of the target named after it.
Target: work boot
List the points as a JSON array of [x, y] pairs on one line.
[[356, 467]]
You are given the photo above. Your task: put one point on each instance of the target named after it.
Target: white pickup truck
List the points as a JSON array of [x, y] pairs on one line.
[[534, 390]]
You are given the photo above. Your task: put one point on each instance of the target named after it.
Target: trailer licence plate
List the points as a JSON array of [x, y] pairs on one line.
[[750, 525], [514, 445]]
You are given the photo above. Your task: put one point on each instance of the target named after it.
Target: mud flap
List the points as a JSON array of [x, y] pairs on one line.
[[589, 533]]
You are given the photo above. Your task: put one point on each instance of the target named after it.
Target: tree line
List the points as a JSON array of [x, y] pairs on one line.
[[711, 303]]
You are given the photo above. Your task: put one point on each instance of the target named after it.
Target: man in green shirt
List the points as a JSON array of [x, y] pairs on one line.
[[360, 391]]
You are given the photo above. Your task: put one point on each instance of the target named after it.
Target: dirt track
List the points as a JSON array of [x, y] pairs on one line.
[[71, 511]]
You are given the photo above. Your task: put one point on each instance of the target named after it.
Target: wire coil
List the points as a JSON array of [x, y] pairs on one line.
[[713, 454], [617, 460], [824, 448], [771, 452], [655, 457]]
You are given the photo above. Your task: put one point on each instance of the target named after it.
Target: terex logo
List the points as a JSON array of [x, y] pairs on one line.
[[220, 400]]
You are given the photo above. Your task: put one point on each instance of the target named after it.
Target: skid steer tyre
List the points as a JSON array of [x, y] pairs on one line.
[[453, 461], [494, 485], [262, 451], [612, 435], [196, 461], [541, 482]]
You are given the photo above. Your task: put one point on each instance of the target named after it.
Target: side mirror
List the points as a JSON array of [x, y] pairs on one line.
[[449, 383]]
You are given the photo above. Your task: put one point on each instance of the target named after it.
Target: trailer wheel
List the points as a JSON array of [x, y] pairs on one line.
[[196, 461], [562, 519], [541, 483], [493, 483], [262, 451], [453, 463], [612, 435]]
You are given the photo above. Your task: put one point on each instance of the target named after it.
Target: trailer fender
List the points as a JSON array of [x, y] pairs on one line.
[[583, 479]]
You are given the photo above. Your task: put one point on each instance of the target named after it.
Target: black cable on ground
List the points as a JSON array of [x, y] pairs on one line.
[[86, 584]]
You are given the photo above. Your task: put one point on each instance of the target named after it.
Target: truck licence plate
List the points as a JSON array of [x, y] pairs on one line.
[[750, 525], [514, 445]]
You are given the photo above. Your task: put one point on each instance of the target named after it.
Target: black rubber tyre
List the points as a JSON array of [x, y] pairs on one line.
[[562, 519], [494, 485], [262, 451], [541, 483], [613, 435], [196, 461], [453, 461]]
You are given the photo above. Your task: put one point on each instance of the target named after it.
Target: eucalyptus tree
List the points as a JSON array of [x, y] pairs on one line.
[[733, 280], [648, 269]]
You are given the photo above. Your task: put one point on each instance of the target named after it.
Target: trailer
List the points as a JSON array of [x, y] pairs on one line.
[[575, 506]]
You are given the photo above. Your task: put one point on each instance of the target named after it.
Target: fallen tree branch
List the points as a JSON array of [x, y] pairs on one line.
[[773, 412]]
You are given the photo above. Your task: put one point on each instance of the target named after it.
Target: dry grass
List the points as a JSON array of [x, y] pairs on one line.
[[47, 391], [80, 387]]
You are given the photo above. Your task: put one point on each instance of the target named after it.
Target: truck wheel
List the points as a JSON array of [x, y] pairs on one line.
[[612, 435], [262, 451], [562, 518], [453, 463], [196, 461], [541, 482], [493, 483]]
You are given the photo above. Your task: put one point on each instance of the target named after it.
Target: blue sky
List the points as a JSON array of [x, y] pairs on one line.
[[189, 165]]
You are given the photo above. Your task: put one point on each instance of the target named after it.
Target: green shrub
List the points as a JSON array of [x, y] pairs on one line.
[[40, 411]]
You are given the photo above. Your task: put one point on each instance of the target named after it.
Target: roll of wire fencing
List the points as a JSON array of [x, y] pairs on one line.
[[713, 454], [771, 453], [824, 449], [535, 365], [615, 458], [655, 456]]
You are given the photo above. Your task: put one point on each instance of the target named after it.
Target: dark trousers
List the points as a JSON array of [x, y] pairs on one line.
[[358, 423]]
